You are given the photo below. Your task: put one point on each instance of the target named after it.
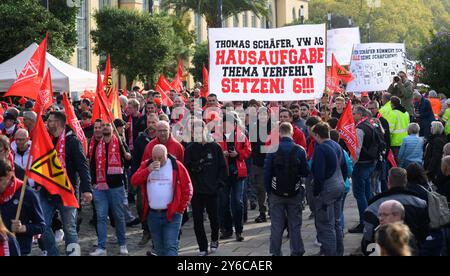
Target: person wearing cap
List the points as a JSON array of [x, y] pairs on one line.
[[22, 103], [29, 106], [365, 100], [11, 126]]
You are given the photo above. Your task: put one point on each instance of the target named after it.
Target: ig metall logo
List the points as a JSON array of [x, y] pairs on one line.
[[73, 3]]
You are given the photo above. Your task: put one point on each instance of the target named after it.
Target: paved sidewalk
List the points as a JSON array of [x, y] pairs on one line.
[[256, 236]]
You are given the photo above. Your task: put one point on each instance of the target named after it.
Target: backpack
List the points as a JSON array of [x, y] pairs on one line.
[[377, 149], [286, 180], [438, 210]]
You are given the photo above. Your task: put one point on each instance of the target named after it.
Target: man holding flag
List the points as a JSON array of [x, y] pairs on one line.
[[70, 153]]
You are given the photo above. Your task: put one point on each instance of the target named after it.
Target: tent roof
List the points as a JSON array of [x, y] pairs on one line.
[[65, 77]]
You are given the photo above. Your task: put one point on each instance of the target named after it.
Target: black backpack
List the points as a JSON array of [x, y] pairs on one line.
[[286, 180], [377, 148]]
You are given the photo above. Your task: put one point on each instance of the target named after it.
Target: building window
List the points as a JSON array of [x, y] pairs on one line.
[[245, 19], [235, 21], [82, 36], [294, 15], [104, 3], [254, 20], [198, 27], [263, 22]]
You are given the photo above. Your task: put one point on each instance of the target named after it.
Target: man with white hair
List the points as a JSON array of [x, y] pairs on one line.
[[166, 190], [21, 150], [424, 114], [391, 211], [29, 120], [435, 102]]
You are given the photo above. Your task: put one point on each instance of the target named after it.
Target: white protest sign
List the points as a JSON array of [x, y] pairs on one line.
[[284, 64], [340, 43], [374, 66]]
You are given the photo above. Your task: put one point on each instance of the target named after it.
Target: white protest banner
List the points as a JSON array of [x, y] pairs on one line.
[[374, 66], [284, 64], [340, 43]]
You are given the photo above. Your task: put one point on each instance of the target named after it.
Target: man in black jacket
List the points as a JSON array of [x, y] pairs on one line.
[[416, 209], [208, 171], [71, 154]]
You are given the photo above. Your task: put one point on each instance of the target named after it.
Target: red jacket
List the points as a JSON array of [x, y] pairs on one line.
[[244, 149], [182, 188], [173, 147], [298, 137]]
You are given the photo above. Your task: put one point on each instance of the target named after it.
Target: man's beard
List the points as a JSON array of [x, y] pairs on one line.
[[296, 117]]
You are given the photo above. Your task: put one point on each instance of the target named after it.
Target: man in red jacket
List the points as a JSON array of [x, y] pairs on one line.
[[166, 191], [236, 149], [164, 137]]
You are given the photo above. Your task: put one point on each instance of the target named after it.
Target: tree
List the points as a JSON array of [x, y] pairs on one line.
[[435, 57], [209, 9], [201, 57], [391, 21], [141, 45], [23, 22]]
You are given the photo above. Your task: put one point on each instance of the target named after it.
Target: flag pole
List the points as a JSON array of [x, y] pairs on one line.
[[24, 186]]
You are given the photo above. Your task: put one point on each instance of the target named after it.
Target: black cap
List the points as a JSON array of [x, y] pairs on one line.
[[119, 123]]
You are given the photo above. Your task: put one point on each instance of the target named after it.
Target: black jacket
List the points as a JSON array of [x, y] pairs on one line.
[[416, 214], [433, 155], [387, 133], [77, 166], [206, 166], [257, 156], [139, 148]]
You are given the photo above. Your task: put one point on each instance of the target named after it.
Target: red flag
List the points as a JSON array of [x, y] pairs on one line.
[[165, 99], [205, 89], [99, 110], [125, 93], [115, 106], [28, 83], [107, 79], [177, 82], [339, 71], [73, 122], [46, 168], [391, 159], [347, 130], [45, 97]]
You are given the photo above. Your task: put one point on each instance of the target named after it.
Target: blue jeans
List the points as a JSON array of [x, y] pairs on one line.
[[104, 200], [231, 202], [68, 217], [164, 233], [342, 221], [361, 179]]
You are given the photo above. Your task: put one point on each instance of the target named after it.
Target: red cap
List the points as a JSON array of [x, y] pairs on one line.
[[157, 101], [22, 100], [364, 94]]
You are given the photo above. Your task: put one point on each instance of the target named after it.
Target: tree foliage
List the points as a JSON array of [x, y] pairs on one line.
[[141, 45], [23, 22], [435, 57], [201, 57], [408, 21], [209, 8]]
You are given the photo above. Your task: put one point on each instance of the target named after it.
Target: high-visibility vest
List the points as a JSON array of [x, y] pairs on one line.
[[399, 129], [446, 119], [385, 109]]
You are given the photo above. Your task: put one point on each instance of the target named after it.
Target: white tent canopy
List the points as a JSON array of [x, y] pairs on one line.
[[65, 77]]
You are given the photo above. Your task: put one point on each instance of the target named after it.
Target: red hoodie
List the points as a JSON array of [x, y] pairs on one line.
[[244, 149], [182, 187], [173, 147]]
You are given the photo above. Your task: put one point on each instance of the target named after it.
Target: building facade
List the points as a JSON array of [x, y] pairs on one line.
[[282, 12]]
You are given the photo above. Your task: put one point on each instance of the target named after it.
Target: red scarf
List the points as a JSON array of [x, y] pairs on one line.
[[4, 247], [310, 150], [11, 160], [130, 131], [362, 120], [61, 148], [114, 161], [12, 188]]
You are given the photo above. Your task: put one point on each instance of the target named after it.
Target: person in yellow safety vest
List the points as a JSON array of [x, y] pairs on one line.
[[386, 104], [398, 120], [446, 118]]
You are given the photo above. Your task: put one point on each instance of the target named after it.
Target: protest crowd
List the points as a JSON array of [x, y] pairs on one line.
[[173, 154]]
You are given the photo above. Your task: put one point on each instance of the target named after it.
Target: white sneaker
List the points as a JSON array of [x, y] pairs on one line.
[[317, 243], [59, 236], [98, 252], [44, 253], [123, 250]]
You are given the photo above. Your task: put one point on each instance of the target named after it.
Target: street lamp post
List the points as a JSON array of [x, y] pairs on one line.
[[220, 12], [329, 20], [302, 14], [368, 31]]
